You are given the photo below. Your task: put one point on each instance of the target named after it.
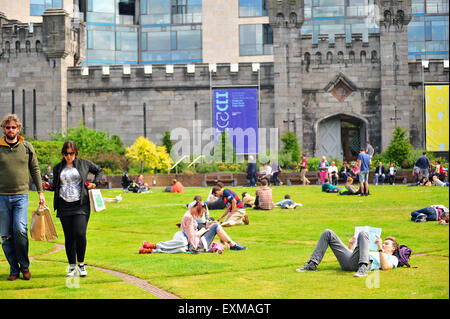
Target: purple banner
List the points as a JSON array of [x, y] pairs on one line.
[[237, 110]]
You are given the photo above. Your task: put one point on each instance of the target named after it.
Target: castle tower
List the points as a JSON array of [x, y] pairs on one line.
[[286, 19], [394, 17]]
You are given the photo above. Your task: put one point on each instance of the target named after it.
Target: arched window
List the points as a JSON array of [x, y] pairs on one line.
[[351, 57], [374, 56], [17, 46], [363, 56], [7, 47], [329, 57], [340, 57], [28, 46], [38, 46], [318, 58]]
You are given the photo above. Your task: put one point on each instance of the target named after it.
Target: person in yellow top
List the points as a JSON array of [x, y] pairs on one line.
[[17, 158]]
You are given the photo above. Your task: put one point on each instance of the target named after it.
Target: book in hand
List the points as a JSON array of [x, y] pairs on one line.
[[373, 232], [201, 231], [96, 199]]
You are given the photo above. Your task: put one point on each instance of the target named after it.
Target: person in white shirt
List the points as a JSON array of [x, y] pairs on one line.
[[333, 173], [267, 172]]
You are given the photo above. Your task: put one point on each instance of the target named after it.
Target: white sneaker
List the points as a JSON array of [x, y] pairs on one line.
[[82, 270], [72, 272]]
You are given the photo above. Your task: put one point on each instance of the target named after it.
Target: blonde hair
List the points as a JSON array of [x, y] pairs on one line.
[[11, 118], [349, 179], [324, 158]]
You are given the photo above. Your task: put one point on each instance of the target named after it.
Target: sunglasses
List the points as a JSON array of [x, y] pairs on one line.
[[10, 127], [69, 153]]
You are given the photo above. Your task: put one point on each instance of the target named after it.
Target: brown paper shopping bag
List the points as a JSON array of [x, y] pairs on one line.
[[37, 228], [50, 230]]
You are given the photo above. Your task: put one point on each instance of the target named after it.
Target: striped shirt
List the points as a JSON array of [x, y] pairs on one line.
[[229, 195]]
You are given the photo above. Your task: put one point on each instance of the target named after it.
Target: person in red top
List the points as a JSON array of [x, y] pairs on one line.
[[303, 169], [177, 187], [235, 211]]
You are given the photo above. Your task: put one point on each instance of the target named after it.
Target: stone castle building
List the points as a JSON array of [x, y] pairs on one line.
[[335, 91]]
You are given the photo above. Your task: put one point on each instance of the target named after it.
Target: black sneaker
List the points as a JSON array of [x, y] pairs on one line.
[[362, 271], [309, 266], [421, 218], [238, 247]]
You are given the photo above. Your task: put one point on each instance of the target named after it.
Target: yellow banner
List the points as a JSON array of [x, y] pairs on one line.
[[436, 117]]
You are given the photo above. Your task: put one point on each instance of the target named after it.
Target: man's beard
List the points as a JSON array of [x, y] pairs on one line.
[[11, 136]]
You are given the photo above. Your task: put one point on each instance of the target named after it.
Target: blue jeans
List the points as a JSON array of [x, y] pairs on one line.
[[211, 233], [430, 212], [382, 178], [14, 231]]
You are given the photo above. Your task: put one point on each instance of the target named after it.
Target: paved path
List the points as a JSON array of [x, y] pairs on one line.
[[140, 283]]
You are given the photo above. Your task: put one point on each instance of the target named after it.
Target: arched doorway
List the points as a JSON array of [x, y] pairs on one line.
[[340, 136]]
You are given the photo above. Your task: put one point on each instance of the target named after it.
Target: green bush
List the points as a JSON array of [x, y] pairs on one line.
[[290, 153], [313, 164], [47, 152]]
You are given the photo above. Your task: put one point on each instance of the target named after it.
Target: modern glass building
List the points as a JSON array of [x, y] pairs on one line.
[[171, 31]]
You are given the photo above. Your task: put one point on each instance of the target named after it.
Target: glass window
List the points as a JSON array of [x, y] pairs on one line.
[[255, 39], [428, 31], [418, 6], [158, 41], [253, 8], [158, 12], [189, 40], [438, 30], [416, 31]]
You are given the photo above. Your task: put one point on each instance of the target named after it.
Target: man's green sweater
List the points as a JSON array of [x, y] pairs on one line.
[[15, 163]]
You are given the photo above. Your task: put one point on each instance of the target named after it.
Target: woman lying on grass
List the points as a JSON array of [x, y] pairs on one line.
[[190, 237]]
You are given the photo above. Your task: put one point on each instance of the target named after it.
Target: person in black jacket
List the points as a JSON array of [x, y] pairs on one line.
[[71, 201], [252, 171], [379, 171]]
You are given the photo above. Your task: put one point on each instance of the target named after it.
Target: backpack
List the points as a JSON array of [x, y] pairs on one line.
[[403, 253]]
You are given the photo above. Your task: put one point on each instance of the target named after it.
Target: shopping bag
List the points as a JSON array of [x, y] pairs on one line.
[[96, 199], [50, 230], [37, 228]]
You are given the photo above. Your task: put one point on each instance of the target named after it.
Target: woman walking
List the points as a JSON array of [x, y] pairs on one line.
[[304, 169], [71, 201]]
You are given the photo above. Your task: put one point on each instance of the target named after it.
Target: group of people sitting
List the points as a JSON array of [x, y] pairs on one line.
[[270, 172], [135, 186]]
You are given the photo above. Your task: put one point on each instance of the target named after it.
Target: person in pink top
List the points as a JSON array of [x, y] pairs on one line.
[[303, 169], [203, 238]]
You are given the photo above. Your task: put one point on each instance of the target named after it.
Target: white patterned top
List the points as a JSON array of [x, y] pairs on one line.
[[70, 184]]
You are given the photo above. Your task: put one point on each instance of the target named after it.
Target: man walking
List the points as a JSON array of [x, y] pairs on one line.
[[364, 162], [423, 163], [369, 149], [17, 158]]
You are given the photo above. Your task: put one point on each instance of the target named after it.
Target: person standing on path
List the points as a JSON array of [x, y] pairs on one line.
[[364, 162], [17, 158], [304, 169], [369, 150], [423, 163], [71, 201]]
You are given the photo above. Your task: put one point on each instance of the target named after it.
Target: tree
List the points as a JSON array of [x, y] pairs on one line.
[[290, 149], [399, 147], [167, 142], [151, 155], [223, 151]]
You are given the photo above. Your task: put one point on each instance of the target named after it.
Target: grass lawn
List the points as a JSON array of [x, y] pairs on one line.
[[278, 241]]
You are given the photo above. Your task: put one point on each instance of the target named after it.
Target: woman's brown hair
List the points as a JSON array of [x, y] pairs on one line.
[[67, 145]]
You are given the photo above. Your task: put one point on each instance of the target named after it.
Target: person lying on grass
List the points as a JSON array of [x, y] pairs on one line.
[[235, 211], [359, 259], [197, 239], [288, 203], [329, 188], [431, 213]]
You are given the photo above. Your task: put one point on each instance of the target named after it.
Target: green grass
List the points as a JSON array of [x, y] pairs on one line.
[[279, 241]]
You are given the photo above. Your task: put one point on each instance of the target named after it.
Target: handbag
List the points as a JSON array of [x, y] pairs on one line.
[[50, 230], [37, 228]]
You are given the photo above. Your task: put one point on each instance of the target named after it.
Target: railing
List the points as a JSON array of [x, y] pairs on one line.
[[176, 165], [193, 162]]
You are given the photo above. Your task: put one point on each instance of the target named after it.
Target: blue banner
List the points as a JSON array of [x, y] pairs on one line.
[[237, 111]]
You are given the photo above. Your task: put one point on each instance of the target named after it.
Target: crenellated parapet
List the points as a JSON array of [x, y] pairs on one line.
[[58, 36], [286, 13]]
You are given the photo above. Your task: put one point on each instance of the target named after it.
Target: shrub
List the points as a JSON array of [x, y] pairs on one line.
[[290, 153], [47, 152], [399, 147], [145, 151], [313, 164]]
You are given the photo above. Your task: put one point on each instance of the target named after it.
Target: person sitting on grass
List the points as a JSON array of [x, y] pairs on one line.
[[431, 213], [249, 201], [359, 259], [198, 240], [235, 211], [264, 196], [288, 203], [329, 188], [204, 218], [349, 188], [177, 187]]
